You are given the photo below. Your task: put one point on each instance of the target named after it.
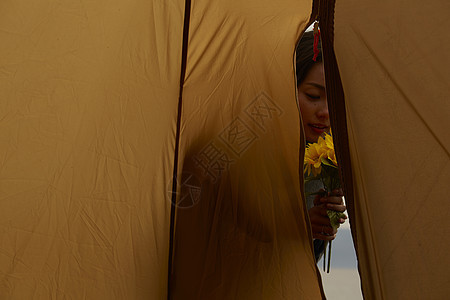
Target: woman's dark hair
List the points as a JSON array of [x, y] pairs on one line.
[[304, 55]]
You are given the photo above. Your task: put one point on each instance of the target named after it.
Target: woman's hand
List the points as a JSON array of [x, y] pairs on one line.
[[320, 223]]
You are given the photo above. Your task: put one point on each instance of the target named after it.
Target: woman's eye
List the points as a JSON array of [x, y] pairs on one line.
[[311, 96]]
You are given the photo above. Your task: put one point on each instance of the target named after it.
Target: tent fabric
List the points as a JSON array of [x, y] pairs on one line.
[[88, 113], [88, 125], [240, 226], [394, 64], [94, 123]]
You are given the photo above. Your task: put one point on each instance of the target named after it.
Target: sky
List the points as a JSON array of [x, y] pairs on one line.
[[343, 280]]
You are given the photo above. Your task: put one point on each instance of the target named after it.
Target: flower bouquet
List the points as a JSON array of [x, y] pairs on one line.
[[320, 164]]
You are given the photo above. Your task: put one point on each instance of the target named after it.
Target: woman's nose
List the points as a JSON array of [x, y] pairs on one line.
[[323, 112]]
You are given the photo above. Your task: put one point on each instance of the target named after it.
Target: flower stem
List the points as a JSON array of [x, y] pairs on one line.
[[329, 257], [324, 257]]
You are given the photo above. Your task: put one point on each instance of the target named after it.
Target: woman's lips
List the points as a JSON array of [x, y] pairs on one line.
[[319, 128]]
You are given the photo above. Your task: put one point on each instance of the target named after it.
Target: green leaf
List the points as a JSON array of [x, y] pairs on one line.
[[334, 218], [328, 163]]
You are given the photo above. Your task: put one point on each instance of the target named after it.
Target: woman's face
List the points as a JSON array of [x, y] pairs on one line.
[[313, 103]]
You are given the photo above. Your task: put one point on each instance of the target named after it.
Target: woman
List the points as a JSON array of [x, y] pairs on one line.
[[312, 100]]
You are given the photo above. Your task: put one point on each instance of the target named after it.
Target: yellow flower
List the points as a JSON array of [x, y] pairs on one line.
[[332, 157], [318, 153], [313, 159], [327, 142]]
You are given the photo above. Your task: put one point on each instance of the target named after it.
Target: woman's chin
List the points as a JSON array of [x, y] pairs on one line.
[[312, 138]]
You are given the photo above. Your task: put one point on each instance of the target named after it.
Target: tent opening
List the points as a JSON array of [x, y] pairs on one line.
[[343, 278]]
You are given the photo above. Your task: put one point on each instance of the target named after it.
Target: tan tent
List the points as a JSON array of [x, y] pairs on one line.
[[394, 61], [152, 149]]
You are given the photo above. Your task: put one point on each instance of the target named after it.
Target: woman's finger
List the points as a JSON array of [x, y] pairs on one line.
[[332, 199], [318, 196], [337, 192], [320, 220], [324, 233], [324, 230], [324, 237], [336, 207], [318, 212]]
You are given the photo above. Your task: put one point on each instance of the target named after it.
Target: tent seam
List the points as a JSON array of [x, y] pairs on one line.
[[184, 52], [335, 94]]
